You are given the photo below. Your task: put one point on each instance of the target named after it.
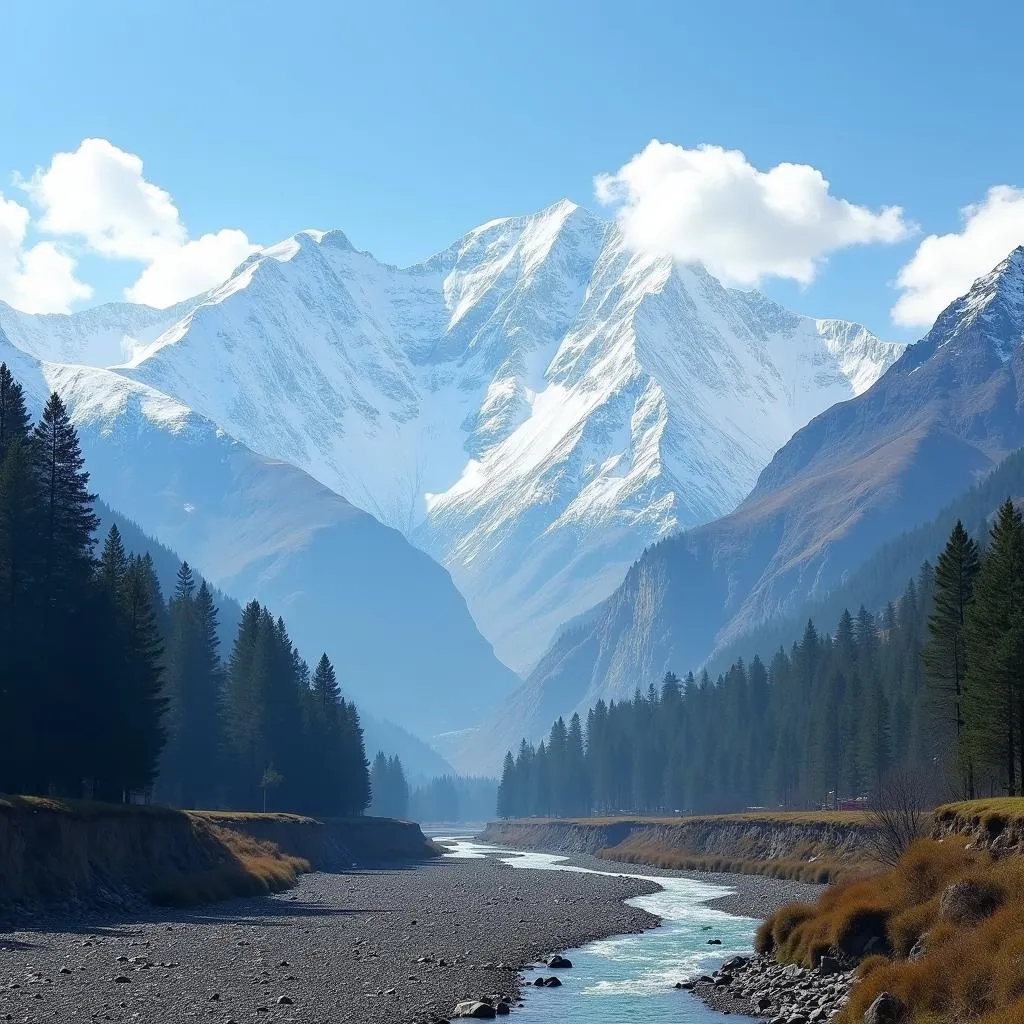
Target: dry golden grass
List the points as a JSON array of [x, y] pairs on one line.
[[239, 866], [56, 849], [255, 817], [970, 910], [742, 817], [819, 871], [84, 810], [993, 814]]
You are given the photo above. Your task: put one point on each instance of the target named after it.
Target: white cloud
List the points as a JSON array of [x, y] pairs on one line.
[[945, 266], [711, 205], [183, 270], [98, 192], [99, 195], [40, 279]]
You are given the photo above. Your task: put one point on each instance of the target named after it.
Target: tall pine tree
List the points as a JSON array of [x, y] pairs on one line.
[[945, 654]]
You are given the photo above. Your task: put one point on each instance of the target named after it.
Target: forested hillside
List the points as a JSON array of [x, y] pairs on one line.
[[933, 686], [107, 690], [884, 575]]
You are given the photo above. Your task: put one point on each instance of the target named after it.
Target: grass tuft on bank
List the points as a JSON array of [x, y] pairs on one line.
[[943, 931], [993, 814], [657, 855], [239, 866]]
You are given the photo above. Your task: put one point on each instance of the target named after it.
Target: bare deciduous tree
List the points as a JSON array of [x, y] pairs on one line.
[[902, 812]]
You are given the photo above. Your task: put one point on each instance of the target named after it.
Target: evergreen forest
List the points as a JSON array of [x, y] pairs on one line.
[[110, 690], [932, 686]]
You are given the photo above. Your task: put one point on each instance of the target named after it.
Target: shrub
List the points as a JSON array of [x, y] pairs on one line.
[[970, 905], [763, 941], [906, 927]]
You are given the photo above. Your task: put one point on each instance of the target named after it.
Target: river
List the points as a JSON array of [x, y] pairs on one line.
[[628, 978]]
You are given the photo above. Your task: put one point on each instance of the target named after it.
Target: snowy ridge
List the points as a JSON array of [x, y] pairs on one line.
[[532, 406]]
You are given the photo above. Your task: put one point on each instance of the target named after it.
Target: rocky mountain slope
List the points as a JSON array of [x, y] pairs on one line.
[[389, 617], [532, 406], [857, 475]]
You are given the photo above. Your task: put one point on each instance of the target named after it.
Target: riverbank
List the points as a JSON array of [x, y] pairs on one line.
[[68, 856], [807, 846], [367, 947]]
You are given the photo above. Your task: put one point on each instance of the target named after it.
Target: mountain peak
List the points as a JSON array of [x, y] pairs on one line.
[[993, 308]]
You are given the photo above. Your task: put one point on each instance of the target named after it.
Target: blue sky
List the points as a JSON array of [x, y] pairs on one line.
[[407, 124]]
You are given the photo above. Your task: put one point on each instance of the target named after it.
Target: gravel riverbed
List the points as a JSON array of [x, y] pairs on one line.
[[400, 945], [374, 946]]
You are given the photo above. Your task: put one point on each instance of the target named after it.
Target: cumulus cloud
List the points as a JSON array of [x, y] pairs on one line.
[[711, 205], [945, 266], [98, 192], [38, 279], [180, 271], [98, 196]]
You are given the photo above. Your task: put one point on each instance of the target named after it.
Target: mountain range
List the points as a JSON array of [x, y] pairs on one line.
[[531, 407], [857, 475], [388, 615]]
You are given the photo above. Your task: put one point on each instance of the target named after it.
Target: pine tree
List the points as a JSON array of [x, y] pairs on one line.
[[65, 563], [244, 700], [325, 688], [194, 683], [507, 805], [995, 648], [945, 654], [15, 424], [22, 710], [141, 703], [356, 791]]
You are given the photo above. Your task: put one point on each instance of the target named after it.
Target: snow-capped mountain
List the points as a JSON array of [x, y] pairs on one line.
[[532, 406], [390, 618], [854, 478]]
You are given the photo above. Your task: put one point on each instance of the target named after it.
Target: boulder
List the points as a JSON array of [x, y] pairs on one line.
[[735, 963], [714, 942], [474, 1008], [970, 901], [886, 1009], [865, 934], [829, 965], [557, 962], [552, 982]]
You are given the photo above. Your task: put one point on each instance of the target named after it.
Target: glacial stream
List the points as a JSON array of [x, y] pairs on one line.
[[628, 978]]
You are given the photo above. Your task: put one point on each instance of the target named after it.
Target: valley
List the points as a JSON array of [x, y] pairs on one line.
[[511, 510]]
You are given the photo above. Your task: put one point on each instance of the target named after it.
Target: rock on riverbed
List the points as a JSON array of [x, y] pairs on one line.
[[789, 995]]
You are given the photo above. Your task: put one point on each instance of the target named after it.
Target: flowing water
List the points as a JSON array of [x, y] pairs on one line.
[[628, 978]]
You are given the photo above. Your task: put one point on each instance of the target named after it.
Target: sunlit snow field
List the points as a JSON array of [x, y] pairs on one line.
[[630, 977]]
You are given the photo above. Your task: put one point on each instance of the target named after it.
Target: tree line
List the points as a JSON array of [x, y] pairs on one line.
[[974, 657], [109, 691], [389, 787], [454, 798], [935, 681]]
